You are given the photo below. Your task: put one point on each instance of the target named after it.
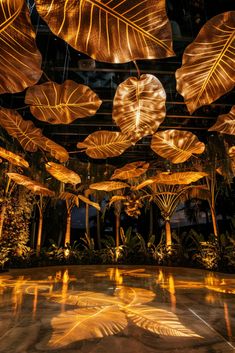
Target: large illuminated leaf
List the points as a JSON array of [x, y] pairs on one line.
[[180, 178], [116, 198], [208, 63], [13, 158], [19, 57], [32, 185], [104, 144], [111, 31], [89, 202], [159, 321], [130, 170], [74, 199], [143, 184], [69, 197], [225, 123], [175, 145], [82, 324], [61, 104], [62, 173], [108, 186], [29, 136], [139, 106]]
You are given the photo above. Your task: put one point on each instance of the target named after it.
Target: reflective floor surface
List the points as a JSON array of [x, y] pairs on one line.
[[104, 309]]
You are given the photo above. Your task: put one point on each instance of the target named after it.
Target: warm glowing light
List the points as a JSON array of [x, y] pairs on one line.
[[66, 253], [171, 289], [227, 321]]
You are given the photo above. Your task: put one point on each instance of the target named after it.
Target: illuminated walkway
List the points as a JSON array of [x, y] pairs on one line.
[[103, 309]]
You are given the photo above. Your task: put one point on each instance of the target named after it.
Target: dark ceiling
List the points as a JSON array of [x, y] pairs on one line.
[[61, 62]]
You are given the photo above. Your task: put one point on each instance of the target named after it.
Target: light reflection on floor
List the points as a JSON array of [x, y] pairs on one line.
[[104, 309]]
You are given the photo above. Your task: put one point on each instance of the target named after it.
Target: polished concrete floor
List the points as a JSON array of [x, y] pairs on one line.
[[105, 309]]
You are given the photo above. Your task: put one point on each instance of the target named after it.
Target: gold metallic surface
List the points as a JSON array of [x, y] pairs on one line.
[[62, 173], [225, 123], [13, 158], [30, 184], [126, 309], [20, 59], [61, 104], [29, 136], [207, 70], [180, 178], [139, 106], [176, 145], [103, 144], [74, 199], [130, 170], [109, 185], [111, 31]]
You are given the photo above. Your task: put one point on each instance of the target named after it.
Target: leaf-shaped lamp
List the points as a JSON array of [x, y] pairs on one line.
[[130, 170], [176, 146], [61, 104], [29, 136], [20, 59], [111, 31], [62, 173], [139, 106], [108, 186], [225, 123], [13, 158], [207, 70], [104, 144]]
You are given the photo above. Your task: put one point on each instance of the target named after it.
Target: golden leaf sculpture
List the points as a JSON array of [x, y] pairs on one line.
[[159, 321], [20, 59], [116, 198], [62, 173], [180, 178], [61, 104], [32, 185], [176, 146], [143, 184], [104, 144], [89, 202], [130, 170], [139, 106], [29, 136], [111, 31], [13, 158], [73, 198], [108, 186], [207, 70], [225, 123], [69, 197]]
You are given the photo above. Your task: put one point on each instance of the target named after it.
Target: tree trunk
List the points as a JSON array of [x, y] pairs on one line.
[[87, 222], [68, 229], [214, 222], [39, 238], [117, 234], [150, 220], [2, 217], [168, 233], [117, 229], [98, 229]]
